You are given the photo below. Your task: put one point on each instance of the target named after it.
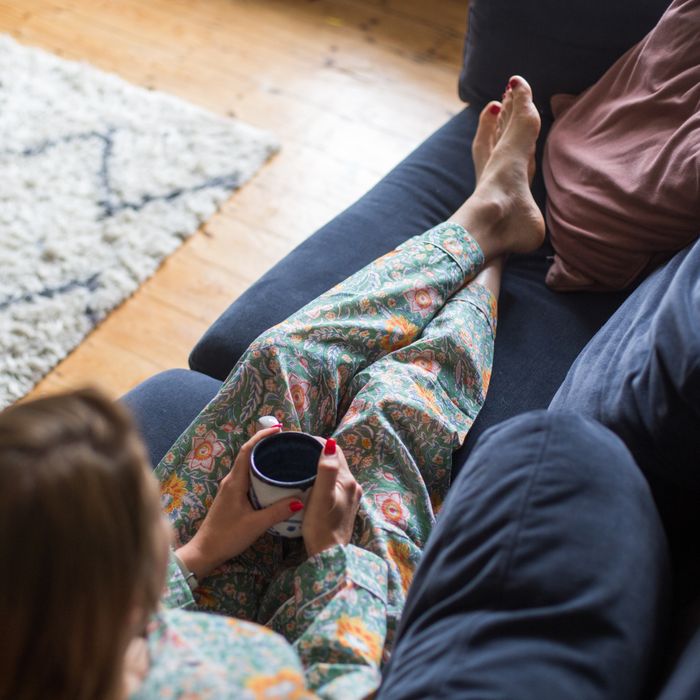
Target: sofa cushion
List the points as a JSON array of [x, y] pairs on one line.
[[640, 375], [558, 46], [683, 682], [539, 332], [622, 163], [529, 587], [164, 405]]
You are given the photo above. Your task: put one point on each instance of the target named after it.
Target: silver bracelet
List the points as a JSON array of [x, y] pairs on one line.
[[190, 578]]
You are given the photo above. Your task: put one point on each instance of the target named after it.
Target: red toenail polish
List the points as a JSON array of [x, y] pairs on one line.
[[514, 82], [495, 109], [296, 506], [329, 448]]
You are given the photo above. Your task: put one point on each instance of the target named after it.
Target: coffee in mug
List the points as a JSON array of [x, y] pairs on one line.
[[283, 465]]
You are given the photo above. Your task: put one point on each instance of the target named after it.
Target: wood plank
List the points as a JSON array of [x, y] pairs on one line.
[[309, 80], [348, 86], [245, 250], [101, 365]]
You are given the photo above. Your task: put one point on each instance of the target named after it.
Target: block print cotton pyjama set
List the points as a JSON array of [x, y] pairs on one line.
[[393, 363]]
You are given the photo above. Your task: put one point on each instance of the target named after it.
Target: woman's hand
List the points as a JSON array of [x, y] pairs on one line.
[[232, 524], [330, 512]]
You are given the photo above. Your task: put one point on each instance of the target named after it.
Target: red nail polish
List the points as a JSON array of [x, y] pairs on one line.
[[514, 82], [279, 425], [329, 449], [296, 506], [495, 109]]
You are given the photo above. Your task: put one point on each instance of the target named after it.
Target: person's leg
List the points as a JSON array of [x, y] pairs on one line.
[[300, 369], [407, 414], [545, 577]]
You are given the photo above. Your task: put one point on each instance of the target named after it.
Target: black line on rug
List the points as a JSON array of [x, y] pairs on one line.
[[91, 284], [112, 204]]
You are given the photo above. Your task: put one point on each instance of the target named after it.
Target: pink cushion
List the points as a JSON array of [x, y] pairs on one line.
[[622, 161]]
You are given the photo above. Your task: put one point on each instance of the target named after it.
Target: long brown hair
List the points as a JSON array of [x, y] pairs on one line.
[[77, 546]]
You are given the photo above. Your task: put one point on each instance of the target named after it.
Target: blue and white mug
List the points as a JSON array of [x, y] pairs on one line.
[[284, 465]]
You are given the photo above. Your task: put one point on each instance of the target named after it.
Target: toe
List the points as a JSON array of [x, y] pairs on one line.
[[491, 110], [507, 108], [488, 118], [485, 136], [521, 104], [519, 88], [488, 123]]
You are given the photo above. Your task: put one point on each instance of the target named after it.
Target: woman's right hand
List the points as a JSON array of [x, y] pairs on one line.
[[329, 516]]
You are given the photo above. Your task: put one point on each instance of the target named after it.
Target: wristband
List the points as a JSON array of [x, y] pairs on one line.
[[190, 578]]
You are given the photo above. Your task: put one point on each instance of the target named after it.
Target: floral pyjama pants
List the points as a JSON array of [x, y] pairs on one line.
[[394, 363]]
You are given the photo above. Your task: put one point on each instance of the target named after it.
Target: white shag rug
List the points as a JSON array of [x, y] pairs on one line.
[[101, 180]]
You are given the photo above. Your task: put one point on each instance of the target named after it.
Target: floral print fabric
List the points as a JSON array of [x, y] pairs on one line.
[[394, 363]]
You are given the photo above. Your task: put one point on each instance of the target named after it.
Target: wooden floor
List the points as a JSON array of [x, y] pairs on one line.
[[348, 86]]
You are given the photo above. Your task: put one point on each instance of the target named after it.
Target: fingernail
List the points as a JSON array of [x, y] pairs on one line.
[[296, 506], [279, 425], [495, 109], [329, 449], [514, 82]]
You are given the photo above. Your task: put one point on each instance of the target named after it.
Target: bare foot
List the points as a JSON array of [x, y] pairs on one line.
[[502, 214], [486, 137]]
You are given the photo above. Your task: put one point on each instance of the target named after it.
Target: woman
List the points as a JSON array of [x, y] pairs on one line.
[[394, 363]]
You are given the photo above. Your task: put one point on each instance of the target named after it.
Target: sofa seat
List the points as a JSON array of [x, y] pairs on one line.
[[540, 333]]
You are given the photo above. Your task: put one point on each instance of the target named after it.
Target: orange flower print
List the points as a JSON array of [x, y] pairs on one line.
[[354, 410], [205, 599], [173, 489], [387, 256], [493, 308], [422, 300], [286, 683], [353, 634], [436, 501], [452, 245], [299, 391], [248, 630], [399, 332], [392, 508], [400, 555], [485, 379], [205, 450], [426, 361], [428, 398]]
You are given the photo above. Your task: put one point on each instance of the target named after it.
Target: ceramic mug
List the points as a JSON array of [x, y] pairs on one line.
[[283, 465]]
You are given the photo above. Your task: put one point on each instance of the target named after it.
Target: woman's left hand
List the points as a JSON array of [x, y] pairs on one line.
[[232, 524]]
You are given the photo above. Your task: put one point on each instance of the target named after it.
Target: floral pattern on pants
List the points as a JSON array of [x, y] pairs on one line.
[[394, 363]]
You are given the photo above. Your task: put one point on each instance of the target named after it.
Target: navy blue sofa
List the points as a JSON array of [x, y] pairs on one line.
[[560, 48]]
